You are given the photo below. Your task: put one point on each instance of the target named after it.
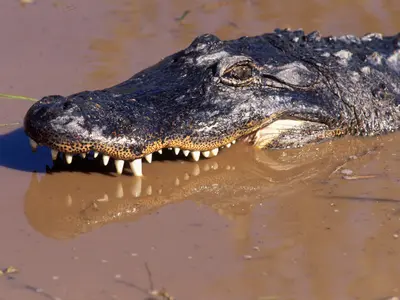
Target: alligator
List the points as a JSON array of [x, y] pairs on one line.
[[278, 90]]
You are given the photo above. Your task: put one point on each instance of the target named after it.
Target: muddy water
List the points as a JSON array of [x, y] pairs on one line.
[[247, 224]]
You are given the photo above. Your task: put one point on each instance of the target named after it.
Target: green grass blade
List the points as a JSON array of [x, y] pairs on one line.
[[10, 124], [17, 97]]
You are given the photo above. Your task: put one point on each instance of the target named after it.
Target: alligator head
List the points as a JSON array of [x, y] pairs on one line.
[[278, 90]]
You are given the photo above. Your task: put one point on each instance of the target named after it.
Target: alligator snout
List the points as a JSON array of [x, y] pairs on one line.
[[59, 123], [96, 123]]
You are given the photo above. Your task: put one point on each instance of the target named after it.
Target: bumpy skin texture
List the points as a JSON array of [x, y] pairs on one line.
[[216, 91]]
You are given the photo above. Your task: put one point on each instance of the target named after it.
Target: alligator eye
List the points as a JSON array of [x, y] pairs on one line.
[[239, 74]]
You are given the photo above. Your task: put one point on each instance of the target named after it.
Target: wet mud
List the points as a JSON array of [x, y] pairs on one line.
[[321, 222]]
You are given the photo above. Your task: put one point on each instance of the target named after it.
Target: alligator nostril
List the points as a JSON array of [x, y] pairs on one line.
[[51, 99]]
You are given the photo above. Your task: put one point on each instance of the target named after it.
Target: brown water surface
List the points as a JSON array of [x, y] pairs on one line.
[[247, 224]]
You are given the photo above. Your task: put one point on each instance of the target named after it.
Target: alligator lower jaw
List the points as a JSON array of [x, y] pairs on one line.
[[136, 164]]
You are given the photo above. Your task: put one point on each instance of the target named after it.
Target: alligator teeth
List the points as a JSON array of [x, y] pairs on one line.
[[149, 157], [106, 159], [54, 154], [206, 153], [214, 152], [196, 155], [136, 167], [169, 148], [68, 158], [33, 145], [119, 165]]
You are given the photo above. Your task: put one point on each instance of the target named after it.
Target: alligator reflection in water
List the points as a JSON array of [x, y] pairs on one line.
[[63, 205]]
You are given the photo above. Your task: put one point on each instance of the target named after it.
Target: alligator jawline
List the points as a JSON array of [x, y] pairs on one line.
[[136, 164], [277, 132], [284, 134]]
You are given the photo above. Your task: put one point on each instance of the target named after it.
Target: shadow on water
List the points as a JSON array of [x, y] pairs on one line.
[[15, 153]]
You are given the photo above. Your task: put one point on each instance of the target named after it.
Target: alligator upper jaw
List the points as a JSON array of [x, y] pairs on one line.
[[136, 164], [70, 126], [60, 124], [122, 128], [275, 133]]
